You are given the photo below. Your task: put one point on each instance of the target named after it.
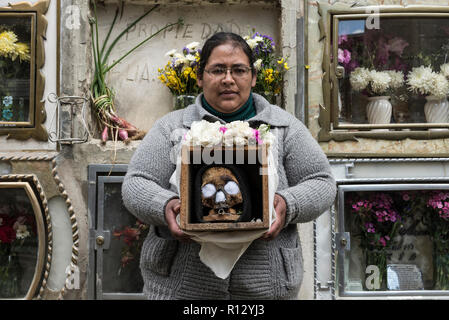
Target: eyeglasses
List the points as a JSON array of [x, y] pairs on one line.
[[236, 72]]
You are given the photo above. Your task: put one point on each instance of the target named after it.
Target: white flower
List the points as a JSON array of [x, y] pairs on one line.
[[208, 134], [439, 86], [180, 59], [445, 70], [192, 45], [21, 230], [397, 79], [380, 81], [190, 57], [240, 131], [204, 133], [252, 43], [171, 53], [258, 64], [359, 79], [420, 80]]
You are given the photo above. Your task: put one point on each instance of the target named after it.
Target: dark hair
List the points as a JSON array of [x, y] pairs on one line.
[[221, 38]]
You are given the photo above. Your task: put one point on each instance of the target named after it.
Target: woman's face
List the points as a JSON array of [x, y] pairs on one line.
[[226, 93]]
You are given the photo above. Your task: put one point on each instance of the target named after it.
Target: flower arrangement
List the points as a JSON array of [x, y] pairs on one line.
[[372, 49], [438, 203], [14, 63], [102, 94], [11, 49], [179, 74], [378, 222], [133, 238], [424, 81], [270, 67], [376, 83], [16, 227], [209, 134]]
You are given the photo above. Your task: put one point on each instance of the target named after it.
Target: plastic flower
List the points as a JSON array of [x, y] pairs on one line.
[[359, 79], [7, 101], [419, 80], [344, 56], [9, 48], [7, 114], [444, 69], [380, 81]]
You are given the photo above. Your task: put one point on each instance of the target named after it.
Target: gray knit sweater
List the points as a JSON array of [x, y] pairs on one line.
[[268, 269]]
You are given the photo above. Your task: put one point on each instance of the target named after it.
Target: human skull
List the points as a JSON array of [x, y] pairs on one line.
[[220, 191]]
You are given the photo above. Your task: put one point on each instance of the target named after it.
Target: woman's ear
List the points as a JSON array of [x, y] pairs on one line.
[[199, 80], [254, 79]]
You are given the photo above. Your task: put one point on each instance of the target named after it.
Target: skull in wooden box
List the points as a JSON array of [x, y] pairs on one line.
[[223, 193]]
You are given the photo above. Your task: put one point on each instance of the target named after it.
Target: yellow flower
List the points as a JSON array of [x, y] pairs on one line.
[[187, 72], [286, 67], [7, 43], [23, 51]]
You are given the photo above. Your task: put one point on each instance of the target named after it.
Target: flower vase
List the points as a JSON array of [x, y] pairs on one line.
[[9, 277], [376, 258], [379, 110], [441, 264], [436, 110], [182, 101]]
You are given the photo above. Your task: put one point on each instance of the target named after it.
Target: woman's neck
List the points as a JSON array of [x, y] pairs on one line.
[[245, 112]]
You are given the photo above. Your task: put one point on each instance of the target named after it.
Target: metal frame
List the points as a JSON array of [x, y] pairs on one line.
[[99, 239], [341, 230], [330, 128], [57, 136], [33, 189], [36, 128], [336, 225]]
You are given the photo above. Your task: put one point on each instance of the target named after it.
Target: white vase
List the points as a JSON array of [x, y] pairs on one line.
[[378, 110], [436, 110]]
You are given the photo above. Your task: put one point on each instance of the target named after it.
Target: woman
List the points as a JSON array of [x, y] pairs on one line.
[[271, 268]]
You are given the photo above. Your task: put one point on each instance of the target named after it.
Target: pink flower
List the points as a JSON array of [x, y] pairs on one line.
[[342, 39], [383, 242], [256, 134], [344, 56], [405, 197], [397, 45], [223, 129]]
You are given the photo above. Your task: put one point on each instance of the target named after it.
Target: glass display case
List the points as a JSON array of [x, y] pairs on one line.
[[23, 239], [116, 238], [22, 32], [392, 239], [386, 72]]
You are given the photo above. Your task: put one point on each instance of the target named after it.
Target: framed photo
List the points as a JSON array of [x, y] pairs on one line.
[[22, 30]]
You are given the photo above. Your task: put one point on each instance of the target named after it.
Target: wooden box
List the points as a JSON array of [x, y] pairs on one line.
[[251, 164]]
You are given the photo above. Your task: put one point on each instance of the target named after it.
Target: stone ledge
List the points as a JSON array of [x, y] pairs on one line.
[[195, 2]]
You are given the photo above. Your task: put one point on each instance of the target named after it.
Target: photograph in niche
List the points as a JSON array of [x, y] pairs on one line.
[[16, 69], [396, 68], [18, 243], [404, 235]]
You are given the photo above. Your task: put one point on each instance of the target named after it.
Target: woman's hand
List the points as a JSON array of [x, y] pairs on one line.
[[172, 209], [280, 207]]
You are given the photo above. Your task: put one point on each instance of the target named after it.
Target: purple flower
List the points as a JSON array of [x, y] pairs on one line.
[[223, 129], [342, 39], [344, 56]]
